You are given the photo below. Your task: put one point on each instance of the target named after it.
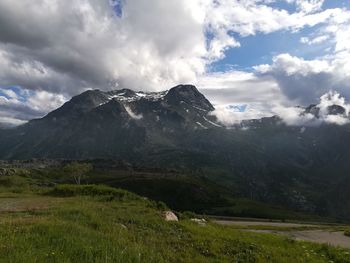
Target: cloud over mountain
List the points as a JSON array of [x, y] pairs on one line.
[[304, 81], [65, 47]]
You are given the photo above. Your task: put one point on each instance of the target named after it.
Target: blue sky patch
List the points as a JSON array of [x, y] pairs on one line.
[[261, 48], [21, 95], [335, 4], [118, 7], [238, 108]]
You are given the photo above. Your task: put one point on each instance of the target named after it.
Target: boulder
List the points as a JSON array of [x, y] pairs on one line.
[[170, 216]]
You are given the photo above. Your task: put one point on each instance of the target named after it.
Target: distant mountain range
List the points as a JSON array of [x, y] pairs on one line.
[[304, 168]]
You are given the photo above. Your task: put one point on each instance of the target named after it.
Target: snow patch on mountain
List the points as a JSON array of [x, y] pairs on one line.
[[201, 125], [212, 123], [132, 114], [131, 96]]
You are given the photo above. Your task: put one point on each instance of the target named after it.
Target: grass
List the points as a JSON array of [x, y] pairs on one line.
[[242, 207], [110, 193], [180, 192], [69, 223]]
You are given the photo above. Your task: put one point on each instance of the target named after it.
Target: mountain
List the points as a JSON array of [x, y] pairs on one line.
[[330, 110], [303, 168], [114, 124]]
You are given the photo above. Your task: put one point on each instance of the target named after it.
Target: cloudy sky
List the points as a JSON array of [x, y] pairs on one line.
[[259, 56]]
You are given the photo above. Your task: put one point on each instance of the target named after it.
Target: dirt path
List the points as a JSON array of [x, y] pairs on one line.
[[321, 236], [317, 236], [259, 223], [334, 238], [29, 203]]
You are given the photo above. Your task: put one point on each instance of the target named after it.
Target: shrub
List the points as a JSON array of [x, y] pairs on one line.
[[347, 232], [78, 170], [13, 181], [66, 190], [161, 206]]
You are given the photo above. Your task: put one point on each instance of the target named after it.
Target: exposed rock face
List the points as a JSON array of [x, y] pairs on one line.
[[336, 110], [331, 110], [188, 94]]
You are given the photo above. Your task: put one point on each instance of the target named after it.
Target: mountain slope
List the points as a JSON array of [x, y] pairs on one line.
[[303, 168], [109, 124]]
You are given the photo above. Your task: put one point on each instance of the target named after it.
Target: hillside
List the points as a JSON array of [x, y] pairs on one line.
[[180, 191], [100, 224]]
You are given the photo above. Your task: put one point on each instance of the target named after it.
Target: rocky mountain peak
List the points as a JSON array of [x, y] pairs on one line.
[[331, 110], [79, 104], [122, 92], [336, 110], [190, 95]]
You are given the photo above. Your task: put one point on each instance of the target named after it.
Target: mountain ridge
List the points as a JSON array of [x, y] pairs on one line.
[[303, 168]]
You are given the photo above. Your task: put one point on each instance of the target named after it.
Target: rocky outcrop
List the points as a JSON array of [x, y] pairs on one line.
[[170, 216]]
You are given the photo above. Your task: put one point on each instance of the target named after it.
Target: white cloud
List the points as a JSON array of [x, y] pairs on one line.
[[225, 90], [239, 87], [17, 107], [42, 101], [304, 81], [8, 93], [252, 16], [329, 99], [6, 122], [341, 35], [292, 116], [313, 41], [297, 116], [229, 116], [308, 6], [67, 46]]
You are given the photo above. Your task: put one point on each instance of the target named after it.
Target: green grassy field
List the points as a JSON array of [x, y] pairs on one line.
[[181, 192], [101, 224]]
